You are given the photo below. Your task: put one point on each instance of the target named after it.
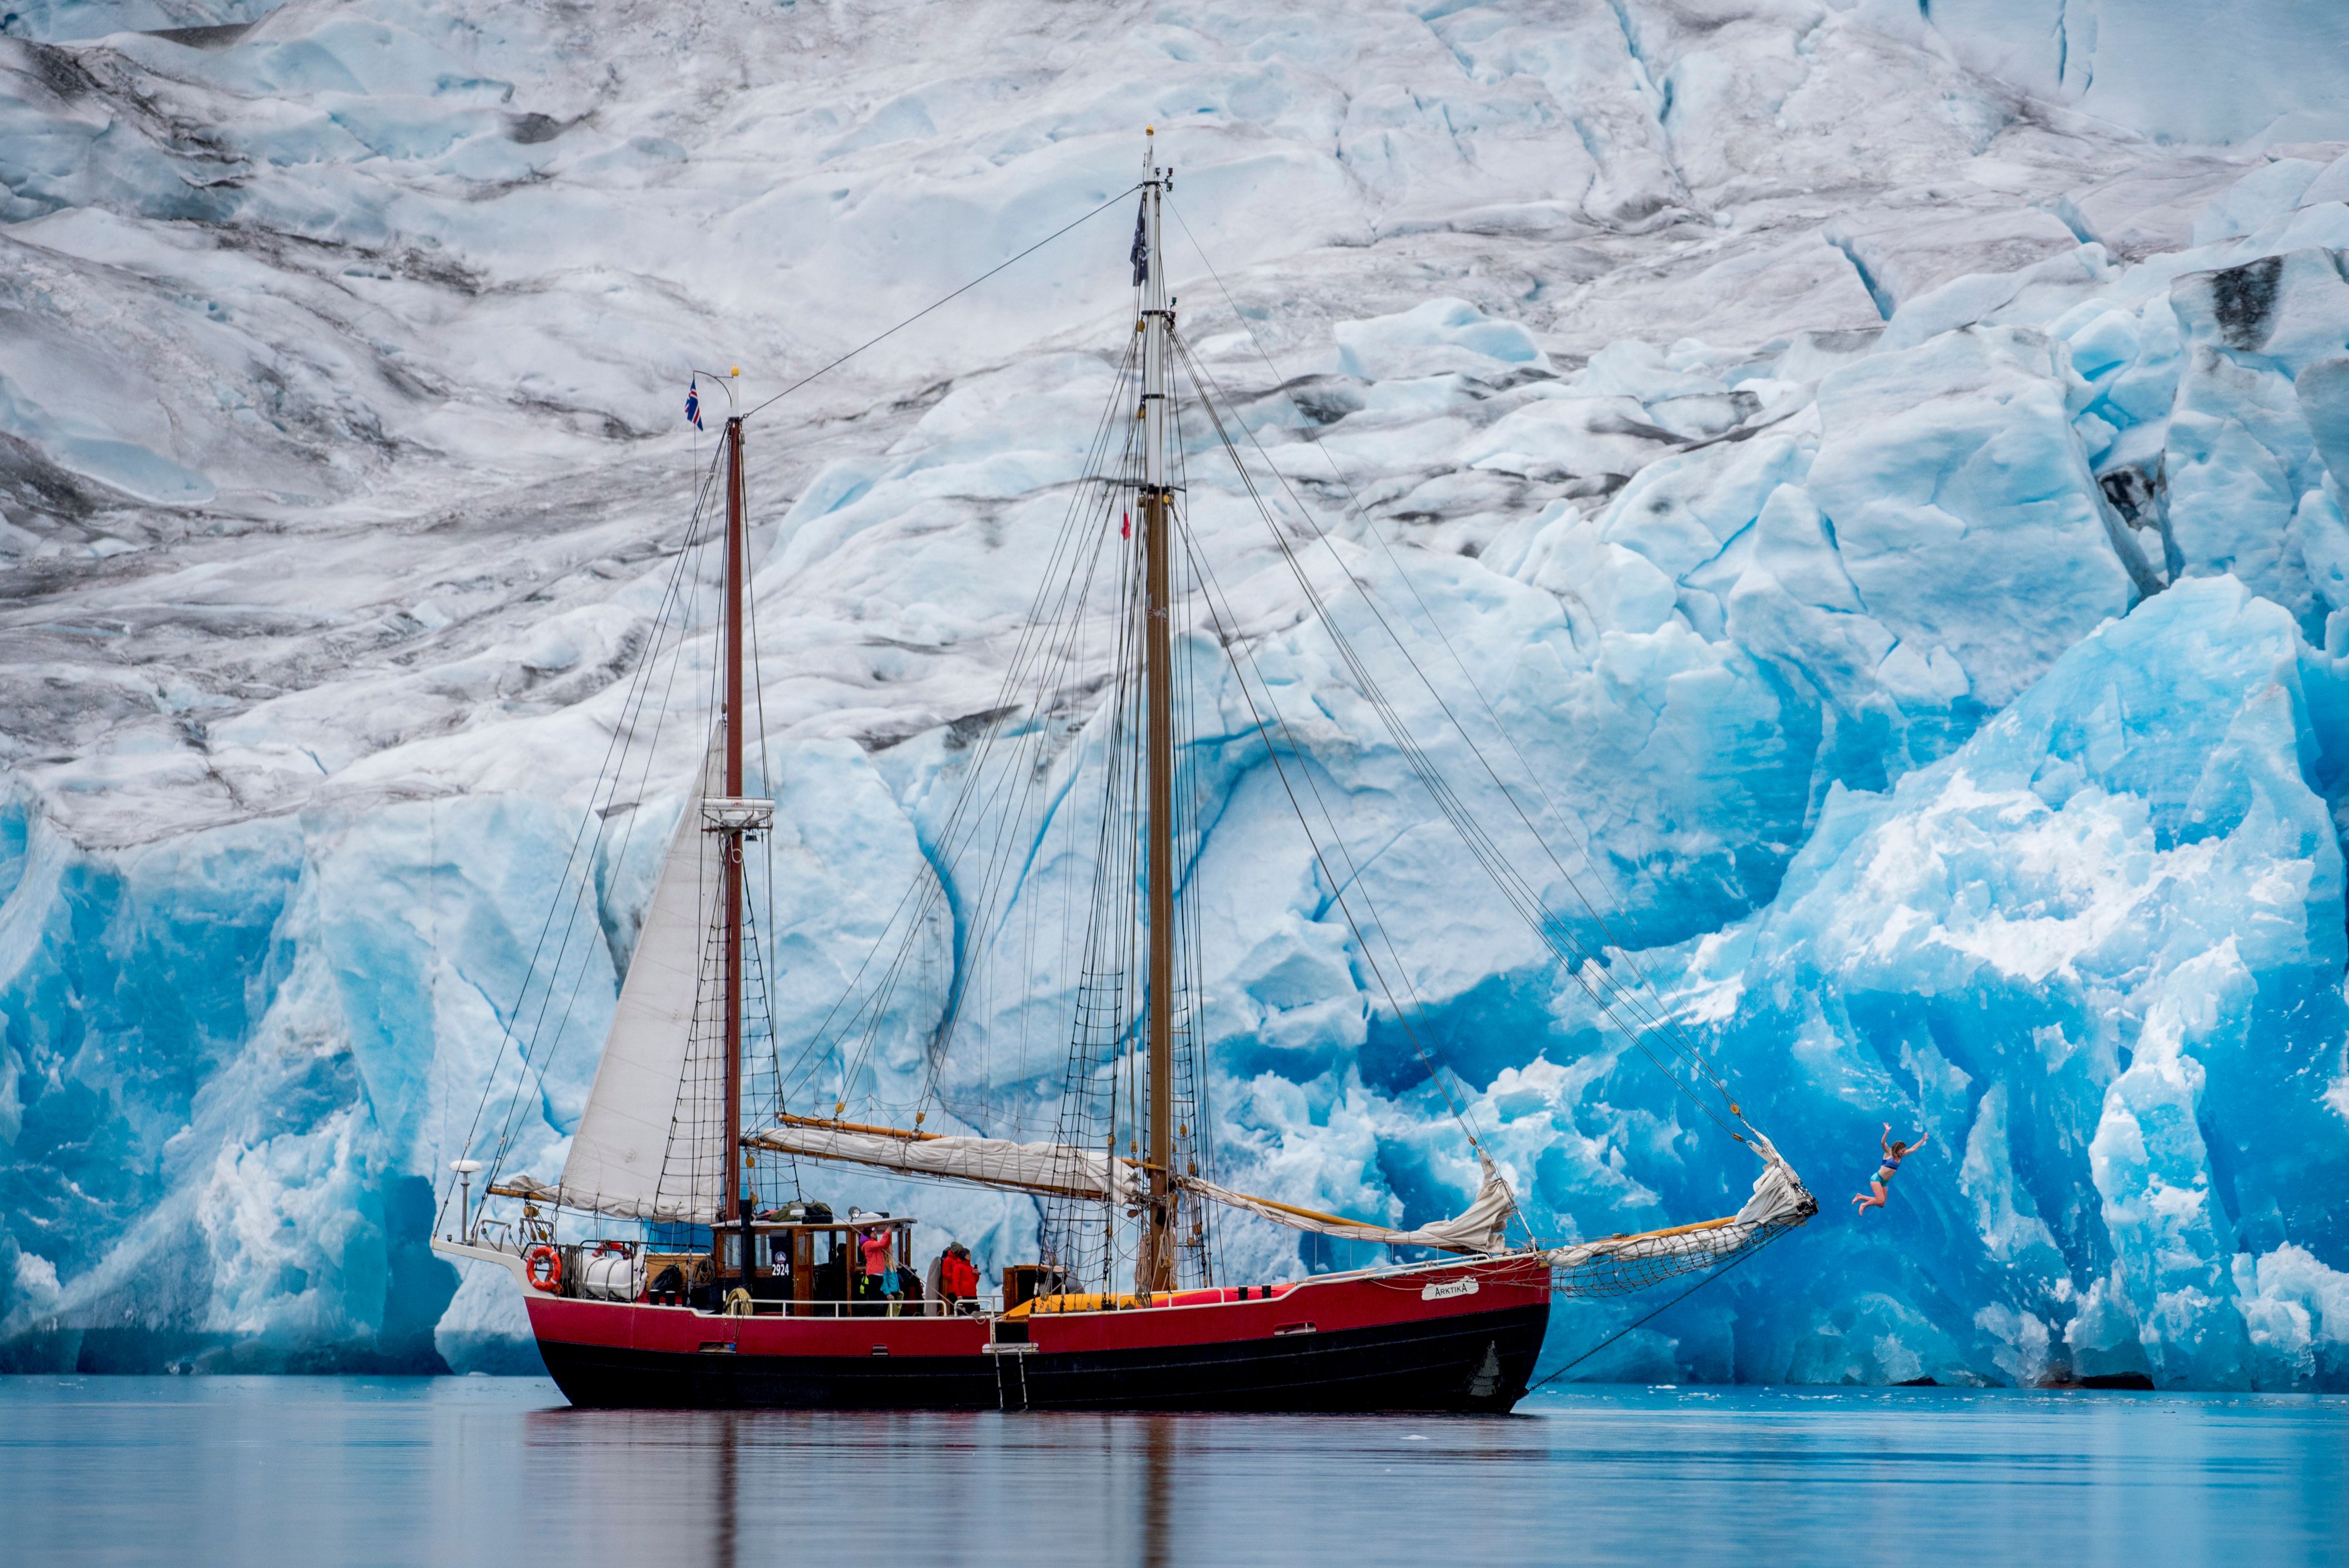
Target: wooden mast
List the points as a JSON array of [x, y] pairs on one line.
[[732, 1207], [1156, 1268]]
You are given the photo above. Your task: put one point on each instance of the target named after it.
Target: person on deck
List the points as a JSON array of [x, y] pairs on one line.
[[875, 1245], [1895, 1151], [957, 1280]]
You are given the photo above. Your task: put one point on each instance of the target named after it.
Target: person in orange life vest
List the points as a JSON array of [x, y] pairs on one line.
[[957, 1281]]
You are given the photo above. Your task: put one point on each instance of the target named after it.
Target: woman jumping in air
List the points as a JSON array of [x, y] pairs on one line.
[[1894, 1152]]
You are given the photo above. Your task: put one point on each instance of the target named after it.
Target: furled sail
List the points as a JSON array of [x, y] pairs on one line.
[[1617, 1265], [1482, 1228], [678, 1211], [1051, 1167], [622, 1143]]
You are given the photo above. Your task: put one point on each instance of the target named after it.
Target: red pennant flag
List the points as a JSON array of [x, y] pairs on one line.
[[1125, 525]]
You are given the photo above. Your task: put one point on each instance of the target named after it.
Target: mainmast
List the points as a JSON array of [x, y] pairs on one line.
[[733, 1203], [1156, 1268]]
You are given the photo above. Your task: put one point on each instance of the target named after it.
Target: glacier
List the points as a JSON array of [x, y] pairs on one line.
[[1885, 466]]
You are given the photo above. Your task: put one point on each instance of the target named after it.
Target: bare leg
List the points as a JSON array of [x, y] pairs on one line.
[[1869, 1200]]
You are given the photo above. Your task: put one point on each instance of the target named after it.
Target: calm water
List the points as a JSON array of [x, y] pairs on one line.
[[461, 1471]]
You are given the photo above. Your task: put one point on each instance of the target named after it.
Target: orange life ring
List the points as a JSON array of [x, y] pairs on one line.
[[546, 1259]]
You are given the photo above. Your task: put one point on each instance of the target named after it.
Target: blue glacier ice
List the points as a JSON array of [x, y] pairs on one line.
[[1885, 468]]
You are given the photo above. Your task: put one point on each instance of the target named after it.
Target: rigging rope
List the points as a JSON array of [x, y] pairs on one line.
[[1738, 1261], [1659, 1017], [1511, 885], [1037, 655], [1038, 651], [592, 821], [1588, 970], [965, 289], [1339, 885]]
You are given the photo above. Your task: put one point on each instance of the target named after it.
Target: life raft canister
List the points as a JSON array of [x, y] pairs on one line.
[[544, 1264]]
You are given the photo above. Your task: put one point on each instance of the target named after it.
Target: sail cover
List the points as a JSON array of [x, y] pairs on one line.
[[1053, 1168], [1481, 1228], [617, 1154]]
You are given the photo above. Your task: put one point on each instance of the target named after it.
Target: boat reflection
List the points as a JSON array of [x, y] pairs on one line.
[[715, 1487]]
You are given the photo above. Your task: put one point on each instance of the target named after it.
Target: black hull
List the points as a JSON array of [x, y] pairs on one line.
[[1477, 1362]]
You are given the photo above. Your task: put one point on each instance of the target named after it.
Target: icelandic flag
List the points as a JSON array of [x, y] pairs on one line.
[[1140, 254], [693, 404]]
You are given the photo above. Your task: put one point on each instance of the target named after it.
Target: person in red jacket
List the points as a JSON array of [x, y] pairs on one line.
[[957, 1280]]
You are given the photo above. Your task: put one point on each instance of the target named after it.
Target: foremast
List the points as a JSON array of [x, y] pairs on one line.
[[1155, 1270], [734, 1199]]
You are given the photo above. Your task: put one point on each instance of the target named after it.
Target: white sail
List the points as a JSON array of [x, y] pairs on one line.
[[1779, 1196], [1049, 1168], [1482, 1227], [617, 1154]]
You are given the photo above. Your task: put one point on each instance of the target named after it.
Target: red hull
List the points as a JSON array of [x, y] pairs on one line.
[[1454, 1336]]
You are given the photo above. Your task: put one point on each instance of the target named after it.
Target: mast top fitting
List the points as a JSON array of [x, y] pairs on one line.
[[736, 813]]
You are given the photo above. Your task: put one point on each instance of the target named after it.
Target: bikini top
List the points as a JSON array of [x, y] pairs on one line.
[[1891, 1162]]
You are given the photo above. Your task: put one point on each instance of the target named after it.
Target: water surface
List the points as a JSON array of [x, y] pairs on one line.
[[202, 1470]]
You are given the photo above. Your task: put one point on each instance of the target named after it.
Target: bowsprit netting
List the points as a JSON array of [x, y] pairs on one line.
[[1618, 1265], [1620, 1268]]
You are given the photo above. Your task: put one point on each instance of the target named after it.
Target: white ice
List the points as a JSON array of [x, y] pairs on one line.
[[1883, 467]]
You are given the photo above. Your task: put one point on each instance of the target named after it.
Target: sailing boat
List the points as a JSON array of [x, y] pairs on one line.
[[654, 1277]]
